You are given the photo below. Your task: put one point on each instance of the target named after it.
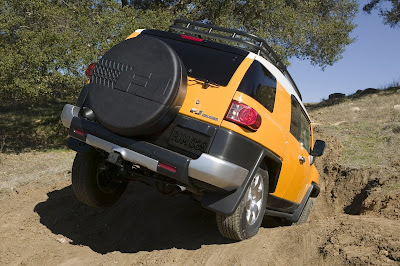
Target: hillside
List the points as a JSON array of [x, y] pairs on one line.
[[355, 220]]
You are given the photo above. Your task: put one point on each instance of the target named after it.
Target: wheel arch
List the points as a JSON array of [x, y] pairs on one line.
[[273, 166]]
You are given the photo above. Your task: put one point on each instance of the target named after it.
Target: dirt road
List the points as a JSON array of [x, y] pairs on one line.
[[41, 223]]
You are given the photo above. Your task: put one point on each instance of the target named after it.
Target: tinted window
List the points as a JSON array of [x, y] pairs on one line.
[[260, 84], [201, 62], [299, 124]]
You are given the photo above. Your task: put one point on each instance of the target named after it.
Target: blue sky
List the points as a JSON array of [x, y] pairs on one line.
[[372, 61]]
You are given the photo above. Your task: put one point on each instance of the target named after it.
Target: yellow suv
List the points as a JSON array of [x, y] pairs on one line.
[[199, 109]]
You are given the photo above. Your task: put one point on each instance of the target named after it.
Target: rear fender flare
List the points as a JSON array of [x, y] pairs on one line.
[[227, 203]]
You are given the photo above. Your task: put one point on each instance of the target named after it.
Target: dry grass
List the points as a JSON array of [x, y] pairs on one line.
[[23, 168], [368, 127], [27, 134]]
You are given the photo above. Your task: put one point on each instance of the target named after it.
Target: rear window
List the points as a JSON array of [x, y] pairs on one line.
[[202, 62], [260, 84]]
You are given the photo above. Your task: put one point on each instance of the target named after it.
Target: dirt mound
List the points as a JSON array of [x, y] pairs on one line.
[[383, 203], [356, 191], [42, 223], [363, 240]]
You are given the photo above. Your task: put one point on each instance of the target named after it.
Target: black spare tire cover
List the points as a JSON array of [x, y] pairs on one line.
[[137, 87]]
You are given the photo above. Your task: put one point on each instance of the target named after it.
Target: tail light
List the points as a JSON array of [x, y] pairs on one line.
[[187, 37], [243, 115], [89, 70]]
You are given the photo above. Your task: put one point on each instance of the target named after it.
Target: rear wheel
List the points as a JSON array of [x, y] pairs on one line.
[[246, 220], [93, 182]]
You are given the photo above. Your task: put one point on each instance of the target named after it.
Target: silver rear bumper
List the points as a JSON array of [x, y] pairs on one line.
[[206, 168]]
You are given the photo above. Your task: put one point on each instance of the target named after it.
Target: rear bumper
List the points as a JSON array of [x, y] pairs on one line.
[[207, 168]]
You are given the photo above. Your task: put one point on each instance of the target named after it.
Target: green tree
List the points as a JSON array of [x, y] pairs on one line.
[[312, 30], [45, 45], [391, 16]]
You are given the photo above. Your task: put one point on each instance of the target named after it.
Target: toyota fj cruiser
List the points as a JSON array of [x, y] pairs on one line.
[[199, 109]]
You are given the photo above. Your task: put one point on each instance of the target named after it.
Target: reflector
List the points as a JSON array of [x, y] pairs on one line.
[[167, 167], [80, 132], [89, 70]]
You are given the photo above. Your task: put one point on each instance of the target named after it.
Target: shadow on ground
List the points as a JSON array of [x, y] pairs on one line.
[[143, 220]]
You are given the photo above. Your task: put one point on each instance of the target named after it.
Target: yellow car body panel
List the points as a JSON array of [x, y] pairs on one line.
[[133, 35], [202, 103]]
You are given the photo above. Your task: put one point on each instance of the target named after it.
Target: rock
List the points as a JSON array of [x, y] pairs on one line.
[[396, 107], [339, 123], [366, 91], [370, 91], [384, 252], [355, 109], [62, 240], [336, 96], [396, 130]]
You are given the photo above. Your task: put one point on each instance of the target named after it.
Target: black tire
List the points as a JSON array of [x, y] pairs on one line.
[[240, 225], [137, 87], [306, 212], [91, 182]]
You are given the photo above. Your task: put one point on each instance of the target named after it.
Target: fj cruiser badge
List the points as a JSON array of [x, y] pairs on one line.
[[198, 112]]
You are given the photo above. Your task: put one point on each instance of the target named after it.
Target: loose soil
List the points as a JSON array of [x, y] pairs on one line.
[[355, 220], [42, 223]]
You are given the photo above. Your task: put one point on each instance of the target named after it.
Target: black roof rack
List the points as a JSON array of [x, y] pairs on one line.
[[241, 39]]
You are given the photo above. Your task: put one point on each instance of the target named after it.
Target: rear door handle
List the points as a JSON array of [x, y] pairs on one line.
[[302, 159]]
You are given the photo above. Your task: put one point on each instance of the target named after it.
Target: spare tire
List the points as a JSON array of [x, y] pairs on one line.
[[137, 87]]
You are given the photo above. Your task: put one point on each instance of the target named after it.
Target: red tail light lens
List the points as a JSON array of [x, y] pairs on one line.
[[243, 115], [89, 70]]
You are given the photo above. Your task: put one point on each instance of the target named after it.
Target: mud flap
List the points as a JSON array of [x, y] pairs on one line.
[[227, 203]]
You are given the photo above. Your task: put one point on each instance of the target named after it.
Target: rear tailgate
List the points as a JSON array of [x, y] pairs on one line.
[[214, 72], [209, 103]]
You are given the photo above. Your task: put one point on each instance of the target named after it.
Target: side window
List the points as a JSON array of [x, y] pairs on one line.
[[259, 84], [299, 124]]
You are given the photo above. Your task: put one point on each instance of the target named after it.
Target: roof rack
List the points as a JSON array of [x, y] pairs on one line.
[[241, 39]]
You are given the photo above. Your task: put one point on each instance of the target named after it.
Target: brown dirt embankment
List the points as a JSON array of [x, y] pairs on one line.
[[41, 222], [355, 220]]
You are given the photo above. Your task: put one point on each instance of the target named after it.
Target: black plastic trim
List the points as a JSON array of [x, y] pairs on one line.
[[82, 96], [71, 132], [160, 154], [187, 123], [279, 204], [227, 203], [315, 191], [237, 149], [78, 145], [293, 217]]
